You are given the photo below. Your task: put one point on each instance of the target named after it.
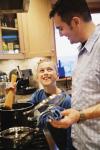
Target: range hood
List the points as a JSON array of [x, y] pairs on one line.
[[14, 6]]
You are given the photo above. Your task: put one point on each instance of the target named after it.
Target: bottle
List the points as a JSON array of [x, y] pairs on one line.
[[4, 46], [16, 23]]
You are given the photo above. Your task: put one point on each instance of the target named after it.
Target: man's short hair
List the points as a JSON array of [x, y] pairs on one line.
[[67, 9]]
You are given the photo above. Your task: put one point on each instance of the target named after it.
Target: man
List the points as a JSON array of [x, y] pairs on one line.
[[47, 76], [73, 19]]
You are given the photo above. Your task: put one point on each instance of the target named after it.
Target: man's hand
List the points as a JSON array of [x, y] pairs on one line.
[[70, 116]]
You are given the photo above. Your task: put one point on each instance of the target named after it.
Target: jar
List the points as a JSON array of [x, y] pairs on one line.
[[16, 48]]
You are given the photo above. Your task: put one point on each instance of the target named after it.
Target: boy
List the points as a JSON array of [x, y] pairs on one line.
[[47, 76]]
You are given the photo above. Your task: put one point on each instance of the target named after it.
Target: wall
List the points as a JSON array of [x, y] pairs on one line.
[[8, 65]]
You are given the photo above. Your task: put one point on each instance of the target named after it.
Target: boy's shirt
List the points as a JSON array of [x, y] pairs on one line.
[[62, 137]]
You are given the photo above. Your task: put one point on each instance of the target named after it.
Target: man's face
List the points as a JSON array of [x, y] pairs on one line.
[[70, 31], [47, 74]]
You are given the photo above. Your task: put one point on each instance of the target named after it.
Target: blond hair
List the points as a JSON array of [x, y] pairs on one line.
[[47, 60]]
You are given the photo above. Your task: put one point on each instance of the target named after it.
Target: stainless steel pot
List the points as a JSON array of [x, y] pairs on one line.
[[17, 137]]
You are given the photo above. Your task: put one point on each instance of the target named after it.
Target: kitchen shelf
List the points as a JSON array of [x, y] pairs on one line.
[[11, 56], [9, 37], [8, 28]]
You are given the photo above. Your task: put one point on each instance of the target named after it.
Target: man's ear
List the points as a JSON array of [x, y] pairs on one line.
[[75, 21]]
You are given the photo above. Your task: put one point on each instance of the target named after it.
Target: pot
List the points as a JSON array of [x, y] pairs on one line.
[[16, 116], [17, 137]]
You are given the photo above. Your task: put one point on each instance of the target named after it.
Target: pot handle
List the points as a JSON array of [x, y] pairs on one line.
[[27, 112]]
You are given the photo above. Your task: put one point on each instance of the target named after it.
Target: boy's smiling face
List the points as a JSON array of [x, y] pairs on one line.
[[47, 73]]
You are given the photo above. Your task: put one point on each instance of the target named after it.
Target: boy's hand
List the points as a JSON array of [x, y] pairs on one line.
[[11, 86]]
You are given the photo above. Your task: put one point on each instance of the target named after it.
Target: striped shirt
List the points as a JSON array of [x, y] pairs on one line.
[[86, 93]]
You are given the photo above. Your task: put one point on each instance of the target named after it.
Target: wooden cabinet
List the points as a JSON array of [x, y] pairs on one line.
[[94, 5], [35, 31], [38, 29]]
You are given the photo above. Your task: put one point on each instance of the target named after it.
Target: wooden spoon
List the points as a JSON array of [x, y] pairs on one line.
[[9, 100]]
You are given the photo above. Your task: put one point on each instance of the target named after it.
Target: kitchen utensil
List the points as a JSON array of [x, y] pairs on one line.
[[9, 100], [53, 100]]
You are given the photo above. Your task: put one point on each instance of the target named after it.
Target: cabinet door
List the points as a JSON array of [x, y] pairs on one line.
[[36, 30], [94, 5]]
